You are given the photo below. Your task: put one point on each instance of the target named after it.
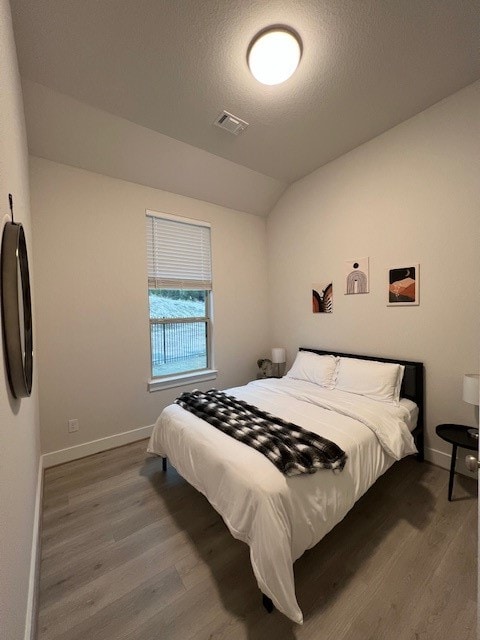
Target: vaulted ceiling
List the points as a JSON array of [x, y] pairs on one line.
[[173, 65]]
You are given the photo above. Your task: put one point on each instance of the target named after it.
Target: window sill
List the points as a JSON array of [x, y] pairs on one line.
[[158, 384]]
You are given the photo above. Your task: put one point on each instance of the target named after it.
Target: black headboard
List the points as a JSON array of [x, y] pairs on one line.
[[412, 385]]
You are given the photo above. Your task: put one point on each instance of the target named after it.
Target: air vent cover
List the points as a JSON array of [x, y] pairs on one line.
[[230, 123]]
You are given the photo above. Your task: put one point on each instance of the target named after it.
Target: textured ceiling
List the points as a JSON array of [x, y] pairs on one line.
[[62, 129], [173, 65]]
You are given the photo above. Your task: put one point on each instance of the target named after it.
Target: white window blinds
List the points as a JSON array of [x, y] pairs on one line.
[[178, 254]]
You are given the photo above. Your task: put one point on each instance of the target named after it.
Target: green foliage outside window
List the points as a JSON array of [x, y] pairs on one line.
[[177, 303]]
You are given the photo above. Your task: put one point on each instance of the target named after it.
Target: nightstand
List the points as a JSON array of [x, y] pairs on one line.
[[457, 436]]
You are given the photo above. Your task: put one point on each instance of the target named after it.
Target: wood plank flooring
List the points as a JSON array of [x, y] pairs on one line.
[[132, 553]]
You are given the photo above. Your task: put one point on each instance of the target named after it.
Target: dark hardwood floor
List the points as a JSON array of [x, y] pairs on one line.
[[132, 553]]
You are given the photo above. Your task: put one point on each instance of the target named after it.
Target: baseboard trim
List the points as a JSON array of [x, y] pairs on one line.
[[439, 458], [442, 459], [95, 446], [35, 556]]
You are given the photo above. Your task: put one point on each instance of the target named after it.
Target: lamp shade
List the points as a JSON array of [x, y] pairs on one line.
[[471, 388], [278, 355]]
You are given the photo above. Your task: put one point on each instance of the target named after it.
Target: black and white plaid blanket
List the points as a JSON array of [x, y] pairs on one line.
[[292, 449]]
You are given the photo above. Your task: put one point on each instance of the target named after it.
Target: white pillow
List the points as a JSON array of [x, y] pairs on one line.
[[377, 380], [314, 368]]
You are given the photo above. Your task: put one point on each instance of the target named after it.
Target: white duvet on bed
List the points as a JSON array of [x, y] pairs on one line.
[[281, 517]]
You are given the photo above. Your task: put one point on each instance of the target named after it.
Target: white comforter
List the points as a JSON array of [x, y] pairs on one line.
[[280, 517]]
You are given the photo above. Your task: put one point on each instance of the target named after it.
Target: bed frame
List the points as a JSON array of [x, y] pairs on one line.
[[412, 388]]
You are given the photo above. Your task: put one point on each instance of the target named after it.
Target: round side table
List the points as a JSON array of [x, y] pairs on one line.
[[457, 435]]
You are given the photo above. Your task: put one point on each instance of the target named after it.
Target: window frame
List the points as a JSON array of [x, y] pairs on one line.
[[167, 381]]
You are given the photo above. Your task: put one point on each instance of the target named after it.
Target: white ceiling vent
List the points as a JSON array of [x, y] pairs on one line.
[[230, 123]]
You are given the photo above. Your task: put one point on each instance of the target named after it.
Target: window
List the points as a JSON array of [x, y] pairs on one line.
[[179, 294]]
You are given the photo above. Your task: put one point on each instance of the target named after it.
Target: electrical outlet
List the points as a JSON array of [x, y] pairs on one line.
[[73, 426]]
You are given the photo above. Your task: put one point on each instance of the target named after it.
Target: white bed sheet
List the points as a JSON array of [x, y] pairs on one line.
[[281, 517]]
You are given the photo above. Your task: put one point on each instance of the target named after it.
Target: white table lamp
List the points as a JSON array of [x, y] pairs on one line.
[[471, 394], [279, 356]]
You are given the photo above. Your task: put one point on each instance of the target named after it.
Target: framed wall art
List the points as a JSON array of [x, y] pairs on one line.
[[403, 286], [357, 276], [322, 297]]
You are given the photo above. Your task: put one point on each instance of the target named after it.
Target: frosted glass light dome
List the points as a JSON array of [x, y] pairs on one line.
[[274, 56]]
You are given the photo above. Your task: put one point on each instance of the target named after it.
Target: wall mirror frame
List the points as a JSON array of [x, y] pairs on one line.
[[16, 310]]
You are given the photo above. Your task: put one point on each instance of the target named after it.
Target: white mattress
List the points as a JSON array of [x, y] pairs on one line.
[[412, 418], [281, 517]]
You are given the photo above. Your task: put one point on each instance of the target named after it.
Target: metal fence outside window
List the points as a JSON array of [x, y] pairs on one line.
[[178, 339]]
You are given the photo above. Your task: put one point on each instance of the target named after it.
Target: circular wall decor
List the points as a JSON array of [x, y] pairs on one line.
[[16, 310]]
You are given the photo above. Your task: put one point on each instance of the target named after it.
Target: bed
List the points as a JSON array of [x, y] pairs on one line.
[[280, 517]]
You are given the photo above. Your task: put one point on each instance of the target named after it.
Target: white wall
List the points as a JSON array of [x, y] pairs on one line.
[[92, 306], [19, 439], [410, 195]]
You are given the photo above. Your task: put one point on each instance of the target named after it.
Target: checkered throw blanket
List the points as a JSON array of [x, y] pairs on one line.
[[292, 449]]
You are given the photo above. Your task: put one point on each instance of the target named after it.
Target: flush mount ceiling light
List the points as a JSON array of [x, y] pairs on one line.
[[274, 54]]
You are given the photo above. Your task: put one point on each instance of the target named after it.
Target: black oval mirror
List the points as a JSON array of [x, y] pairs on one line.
[[16, 310]]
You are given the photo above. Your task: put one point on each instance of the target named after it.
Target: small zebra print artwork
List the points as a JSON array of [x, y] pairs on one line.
[[322, 298]]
